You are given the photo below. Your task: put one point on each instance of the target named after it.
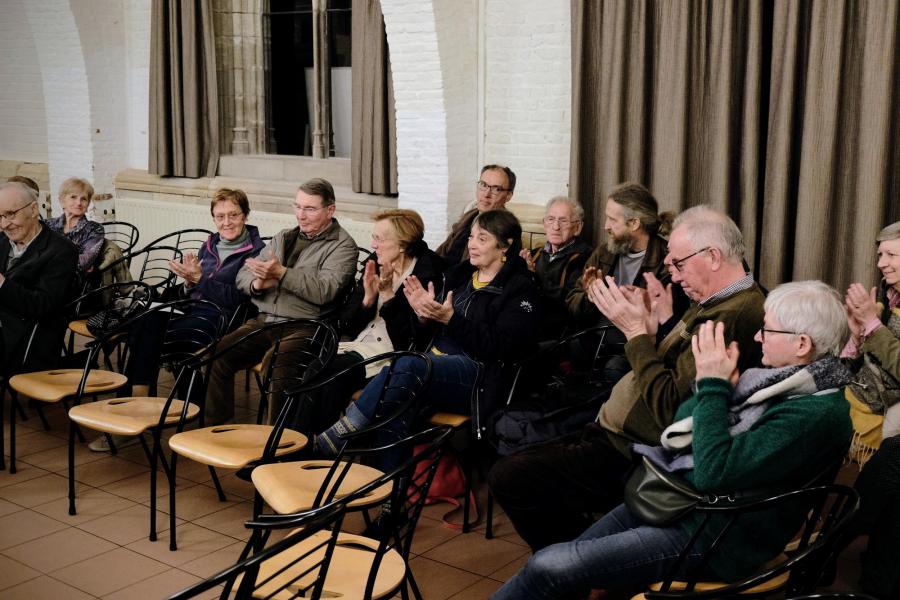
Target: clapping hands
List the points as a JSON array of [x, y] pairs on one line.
[[422, 301], [711, 356], [188, 269]]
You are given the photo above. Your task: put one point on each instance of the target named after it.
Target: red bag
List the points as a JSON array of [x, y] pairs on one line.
[[448, 485]]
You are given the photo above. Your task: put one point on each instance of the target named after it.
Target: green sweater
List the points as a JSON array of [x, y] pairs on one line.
[[792, 441]]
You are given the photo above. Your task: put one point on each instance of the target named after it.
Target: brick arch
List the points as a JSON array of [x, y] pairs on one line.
[[65, 84], [434, 73]]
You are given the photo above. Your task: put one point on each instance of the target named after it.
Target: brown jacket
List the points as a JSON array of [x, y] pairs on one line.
[[604, 260], [459, 233]]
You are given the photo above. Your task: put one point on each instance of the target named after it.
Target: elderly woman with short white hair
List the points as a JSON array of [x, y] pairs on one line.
[[766, 428]]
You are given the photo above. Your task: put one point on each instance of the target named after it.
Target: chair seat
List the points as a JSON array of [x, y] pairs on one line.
[[771, 585], [257, 368], [233, 446], [347, 573], [452, 419], [291, 487], [128, 416], [53, 386], [80, 327]]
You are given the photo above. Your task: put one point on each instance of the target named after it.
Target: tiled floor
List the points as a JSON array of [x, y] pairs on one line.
[[103, 551]]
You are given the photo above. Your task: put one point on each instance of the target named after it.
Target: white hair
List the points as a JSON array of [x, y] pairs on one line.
[[26, 194], [814, 308], [707, 227], [574, 206]]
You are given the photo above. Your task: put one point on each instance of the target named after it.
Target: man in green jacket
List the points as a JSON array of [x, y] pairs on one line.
[[547, 489], [299, 274]]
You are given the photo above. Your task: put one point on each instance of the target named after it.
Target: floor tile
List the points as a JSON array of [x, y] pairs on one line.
[[233, 485], [90, 503], [158, 586], [193, 542], [195, 502], [126, 526], [109, 572], [59, 549], [36, 441], [12, 573], [475, 554], [20, 527], [36, 491], [214, 562], [438, 581], [107, 470], [7, 507], [57, 459], [505, 572], [137, 487], [44, 588], [431, 533], [483, 589], [229, 521], [24, 471]]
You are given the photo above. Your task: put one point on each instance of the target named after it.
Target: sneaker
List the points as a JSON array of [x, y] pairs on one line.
[[121, 441]]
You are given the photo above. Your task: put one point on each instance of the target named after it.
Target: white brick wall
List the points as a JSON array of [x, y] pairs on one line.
[[23, 129], [137, 47], [528, 92]]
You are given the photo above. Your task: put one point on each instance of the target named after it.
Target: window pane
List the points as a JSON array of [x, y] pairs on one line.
[[290, 54]]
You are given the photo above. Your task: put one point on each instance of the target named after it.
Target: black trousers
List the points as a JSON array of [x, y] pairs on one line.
[[879, 516], [549, 490]]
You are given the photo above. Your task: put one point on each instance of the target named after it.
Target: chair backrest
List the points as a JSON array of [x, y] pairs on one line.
[[151, 265], [297, 577], [109, 296], [828, 510], [124, 235], [186, 240]]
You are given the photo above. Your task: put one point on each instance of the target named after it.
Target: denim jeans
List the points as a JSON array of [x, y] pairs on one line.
[[617, 551], [452, 379]]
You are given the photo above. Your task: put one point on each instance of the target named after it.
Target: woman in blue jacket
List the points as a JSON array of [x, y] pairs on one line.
[[208, 275]]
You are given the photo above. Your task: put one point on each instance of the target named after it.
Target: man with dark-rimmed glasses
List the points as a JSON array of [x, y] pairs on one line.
[[493, 190], [37, 270], [547, 489]]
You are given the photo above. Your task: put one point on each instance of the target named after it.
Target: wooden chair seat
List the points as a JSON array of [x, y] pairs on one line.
[[128, 416], [233, 446], [53, 386], [80, 327], [291, 487], [452, 419], [347, 574], [257, 368], [766, 587]]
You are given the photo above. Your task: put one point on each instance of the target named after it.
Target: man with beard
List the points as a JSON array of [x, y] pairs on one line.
[[634, 250]]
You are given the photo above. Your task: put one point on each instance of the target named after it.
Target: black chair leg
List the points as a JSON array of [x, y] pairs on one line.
[[489, 517], [467, 499], [153, 455], [172, 543], [219, 490], [412, 584], [14, 401], [2, 420], [22, 416], [40, 413], [71, 467]]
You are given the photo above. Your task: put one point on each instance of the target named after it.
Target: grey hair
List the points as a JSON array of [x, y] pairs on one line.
[[814, 308], [708, 227], [27, 194], [891, 232], [574, 206]]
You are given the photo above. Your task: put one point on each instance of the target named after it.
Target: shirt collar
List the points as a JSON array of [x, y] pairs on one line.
[[744, 283]]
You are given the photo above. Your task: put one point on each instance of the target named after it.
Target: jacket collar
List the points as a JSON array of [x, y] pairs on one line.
[[35, 248]]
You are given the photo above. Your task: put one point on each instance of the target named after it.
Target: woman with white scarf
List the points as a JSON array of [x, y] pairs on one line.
[[765, 428]]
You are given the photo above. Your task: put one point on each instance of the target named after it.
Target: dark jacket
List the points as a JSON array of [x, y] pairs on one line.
[[455, 248], [36, 289], [217, 282], [497, 327], [556, 276], [398, 316]]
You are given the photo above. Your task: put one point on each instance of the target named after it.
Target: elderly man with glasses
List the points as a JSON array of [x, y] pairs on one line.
[[37, 271], [493, 190], [547, 489]]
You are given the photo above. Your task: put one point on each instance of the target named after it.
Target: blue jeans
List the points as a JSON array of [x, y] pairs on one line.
[[617, 551], [452, 380]]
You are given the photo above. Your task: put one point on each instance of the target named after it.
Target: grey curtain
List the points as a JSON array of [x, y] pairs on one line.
[[778, 113], [184, 114], [373, 157]]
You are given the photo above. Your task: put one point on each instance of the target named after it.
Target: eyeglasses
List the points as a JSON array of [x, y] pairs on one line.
[[495, 189], [9, 216], [308, 210], [678, 263], [763, 331], [227, 216], [562, 222]]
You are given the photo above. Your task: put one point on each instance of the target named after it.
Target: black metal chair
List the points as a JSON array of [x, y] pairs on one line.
[[834, 596], [362, 566], [186, 240], [124, 235], [243, 446], [829, 509], [192, 330]]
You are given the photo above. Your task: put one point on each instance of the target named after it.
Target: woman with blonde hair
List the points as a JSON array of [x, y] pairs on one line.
[[75, 197]]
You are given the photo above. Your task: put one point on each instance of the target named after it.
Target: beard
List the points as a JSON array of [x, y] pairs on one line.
[[619, 245]]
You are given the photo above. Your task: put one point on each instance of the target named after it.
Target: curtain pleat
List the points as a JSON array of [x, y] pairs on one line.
[[184, 115], [373, 157], [782, 114]]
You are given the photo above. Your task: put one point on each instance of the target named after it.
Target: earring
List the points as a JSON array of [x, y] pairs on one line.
[[503, 258]]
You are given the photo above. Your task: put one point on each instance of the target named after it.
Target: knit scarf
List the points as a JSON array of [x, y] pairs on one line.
[[755, 391]]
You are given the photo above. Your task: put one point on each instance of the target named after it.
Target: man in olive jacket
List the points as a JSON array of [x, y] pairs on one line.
[[37, 271], [547, 489], [299, 274]]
